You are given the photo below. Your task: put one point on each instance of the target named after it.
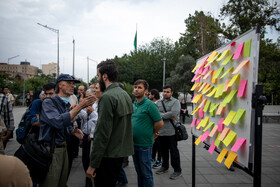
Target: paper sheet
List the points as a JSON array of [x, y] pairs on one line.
[[229, 118], [242, 88], [241, 65], [197, 98], [247, 48], [195, 68], [207, 90], [212, 113], [238, 115], [205, 70], [231, 135], [230, 159], [214, 107], [239, 51], [229, 97], [213, 54], [238, 144], [212, 147], [203, 85], [224, 133], [222, 155]]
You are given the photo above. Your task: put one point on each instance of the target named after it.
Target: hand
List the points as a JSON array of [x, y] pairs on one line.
[[155, 135], [78, 133], [73, 106], [87, 101], [90, 173], [90, 109]]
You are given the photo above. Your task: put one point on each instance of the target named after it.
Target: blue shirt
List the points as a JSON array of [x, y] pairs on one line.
[[53, 118], [35, 109]]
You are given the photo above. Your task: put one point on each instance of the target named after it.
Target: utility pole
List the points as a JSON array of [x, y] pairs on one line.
[[73, 57], [163, 81]]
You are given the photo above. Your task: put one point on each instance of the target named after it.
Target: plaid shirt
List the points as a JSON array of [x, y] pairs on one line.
[[6, 112]]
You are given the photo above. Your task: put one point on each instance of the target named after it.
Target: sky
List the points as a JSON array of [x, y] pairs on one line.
[[101, 28]]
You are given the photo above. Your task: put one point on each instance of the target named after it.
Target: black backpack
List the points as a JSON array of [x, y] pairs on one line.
[[24, 127]]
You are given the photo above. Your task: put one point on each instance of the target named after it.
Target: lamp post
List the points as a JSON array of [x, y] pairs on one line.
[[9, 62], [163, 81], [57, 32], [73, 57], [88, 59]]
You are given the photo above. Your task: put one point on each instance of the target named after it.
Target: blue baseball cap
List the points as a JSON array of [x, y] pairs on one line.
[[66, 77]]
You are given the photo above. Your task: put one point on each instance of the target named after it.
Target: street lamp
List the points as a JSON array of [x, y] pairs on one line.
[[12, 58], [88, 59], [56, 31], [163, 81]]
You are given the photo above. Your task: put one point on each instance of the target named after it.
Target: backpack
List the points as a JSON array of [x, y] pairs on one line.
[[24, 127]]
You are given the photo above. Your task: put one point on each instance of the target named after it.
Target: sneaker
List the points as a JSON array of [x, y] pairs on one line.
[[161, 171], [175, 175], [157, 164], [153, 161]]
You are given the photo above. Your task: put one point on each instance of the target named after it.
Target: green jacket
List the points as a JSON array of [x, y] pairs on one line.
[[113, 133]]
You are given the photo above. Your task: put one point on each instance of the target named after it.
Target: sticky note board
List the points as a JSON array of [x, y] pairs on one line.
[[197, 140], [224, 54], [217, 141], [193, 121], [210, 125], [227, 60], [231, 135], [207, 105], [227, 71], [212, 147], [204, 136], [229, 118], [239, 51], [238, 144], [213, 131], [222, 155], [242, 88], [224, 133], [247, 48], [230, 159], [241, 65], [238, 115]]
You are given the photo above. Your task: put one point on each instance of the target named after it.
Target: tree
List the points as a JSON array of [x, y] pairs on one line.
[[203, 34], [243, 15]]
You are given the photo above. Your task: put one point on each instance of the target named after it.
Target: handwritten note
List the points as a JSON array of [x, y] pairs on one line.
[[213, 131], [212, 147], [204, 136], [210, 125], [221, 125], [229, 70], [224, 133], [239, 51], [226, 61], [229, 118], [242, 88], [241, 65], [225, 53], [238, 115], [230, 159], [208, 103], [222, 155], [247, 48], [197, 140], [231, 135], [238, 144], [193, 122], [201, 113]]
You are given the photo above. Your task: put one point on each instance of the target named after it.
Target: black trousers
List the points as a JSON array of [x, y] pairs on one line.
[[169, 144], [156, 150], [108, 172]]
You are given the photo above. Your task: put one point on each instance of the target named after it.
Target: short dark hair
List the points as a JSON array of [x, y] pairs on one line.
[[144, 82], [121, 85], [49, 86], [110, 68], [155, 93], [168, 86]]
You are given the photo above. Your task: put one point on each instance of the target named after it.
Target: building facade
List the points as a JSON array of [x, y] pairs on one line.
[[19, 71], [49, 69]]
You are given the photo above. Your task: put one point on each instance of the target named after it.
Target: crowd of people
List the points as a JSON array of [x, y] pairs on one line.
[[105, 122]]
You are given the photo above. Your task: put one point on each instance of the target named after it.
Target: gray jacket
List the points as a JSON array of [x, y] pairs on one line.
[[173, 109]]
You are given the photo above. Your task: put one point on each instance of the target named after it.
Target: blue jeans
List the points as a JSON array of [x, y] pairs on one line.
[[142, 159]]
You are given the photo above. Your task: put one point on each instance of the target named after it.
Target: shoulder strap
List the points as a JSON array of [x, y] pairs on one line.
[[166, 111]]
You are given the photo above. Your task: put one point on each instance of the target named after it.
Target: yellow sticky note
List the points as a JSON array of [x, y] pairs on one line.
[[219, 91], [229, 118], [226, 85], [198, 140], [202, 103], [225, 53], [214, 53], [224, 133], [197, 97], [203, 85], [217, 141], [213, 131], [198, 77], [231, 95], [228, 58], [230, 159], [199, 125], [195, 110], [207, 90], [238, 115], [195, 68], [231, 135], [205, 121], [206, 106], [222, 155], [212, 92], [229, 70], [214, 107], [207, 74], [236, 77], [241, 65], [194, 86], [218, 73], [214, 80], [212, 113], [247, 48], [208, 126]]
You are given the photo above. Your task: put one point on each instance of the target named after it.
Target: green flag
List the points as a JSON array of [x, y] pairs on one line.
[[135, 41]]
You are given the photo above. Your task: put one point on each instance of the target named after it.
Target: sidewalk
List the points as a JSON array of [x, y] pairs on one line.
[[208, 171]]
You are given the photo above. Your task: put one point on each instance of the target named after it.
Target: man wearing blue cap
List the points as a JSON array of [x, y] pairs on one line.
[[56, 117]]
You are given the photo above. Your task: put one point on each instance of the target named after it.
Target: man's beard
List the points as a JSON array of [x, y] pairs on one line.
[[102, 85]]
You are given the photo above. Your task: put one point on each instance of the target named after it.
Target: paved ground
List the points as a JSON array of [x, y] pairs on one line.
[[208, 172]]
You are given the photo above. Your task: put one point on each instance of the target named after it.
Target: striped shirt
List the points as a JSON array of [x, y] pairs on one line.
[[6, 112]]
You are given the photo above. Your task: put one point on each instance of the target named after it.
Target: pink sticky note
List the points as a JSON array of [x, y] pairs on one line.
[[198, 80], [238, 144], [193, 97], [193, 122], [205, 70], [221, 125], [242, 88], [194, 77], [239, 51], [201, 113], [204, 136], [200, 70], [212, 147], [196, 71], [197, 122]]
